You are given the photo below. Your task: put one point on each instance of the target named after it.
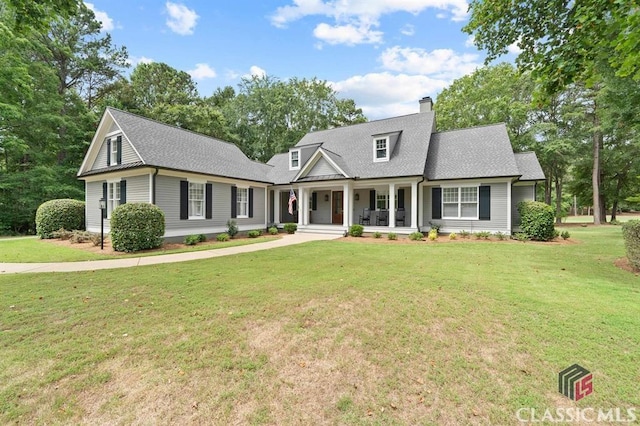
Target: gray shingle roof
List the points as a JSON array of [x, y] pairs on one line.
[[170, 147], [471, 153], [354, 146], [280, 173], [529, 166]]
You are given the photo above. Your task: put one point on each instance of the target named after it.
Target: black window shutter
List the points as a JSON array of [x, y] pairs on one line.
[[208, 201], [108, 152], [485, 203], [250, 202], [401, 198], [436, 203], [123, 192], [184, 200], [234, 202], [105, 196], [314, 201], [372, 199], [119, 149]]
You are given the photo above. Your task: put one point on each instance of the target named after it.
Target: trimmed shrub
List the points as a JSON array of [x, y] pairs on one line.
[[416, 236], [537, 220], [192, 240], [392, 236], [356, 230], [202, 238], [453, 236], [273, 230], [78, 237], [232, 228], [222, 237], [291, 228], [631, 234], [433, 234], [435, 226], [137, 226], [53, 215], [377, 235], [565, 235], [254, 233]]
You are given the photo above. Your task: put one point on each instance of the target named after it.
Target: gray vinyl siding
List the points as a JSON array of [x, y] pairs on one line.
[[128, 154], [363, 203], [498, 222], [322, 168], [168, 199], [93, 193], [322, 214], [518, 194], [138, 189]]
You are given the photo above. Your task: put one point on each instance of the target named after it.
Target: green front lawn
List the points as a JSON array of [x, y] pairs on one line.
[[34, 250], [328, 332]]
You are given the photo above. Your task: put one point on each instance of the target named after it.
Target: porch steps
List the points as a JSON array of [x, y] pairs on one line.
[[334, 230]]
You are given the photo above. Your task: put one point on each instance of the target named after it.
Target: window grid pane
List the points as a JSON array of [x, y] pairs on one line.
[[469, 195], [242, 201], [450, 195], [196, 199], [381, 148], [382, 200], [294, 158]]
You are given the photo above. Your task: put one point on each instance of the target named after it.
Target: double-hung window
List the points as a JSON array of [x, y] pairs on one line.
[[196, 200], [113, 197], [381, 149], [294, 163], [242, 202], [460, 202], [113, 152], [382, 200]]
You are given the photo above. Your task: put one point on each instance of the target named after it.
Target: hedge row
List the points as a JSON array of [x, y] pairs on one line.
[[54, 215], [631, 234], [136, 226], [537, 220]]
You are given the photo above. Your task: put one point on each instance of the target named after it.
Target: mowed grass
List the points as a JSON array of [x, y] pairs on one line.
[[35, 250], [325, 333]]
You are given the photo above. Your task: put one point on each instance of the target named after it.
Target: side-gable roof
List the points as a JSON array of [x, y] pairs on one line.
[[478, 152], [529, 166], [352, 146], [162, 145]]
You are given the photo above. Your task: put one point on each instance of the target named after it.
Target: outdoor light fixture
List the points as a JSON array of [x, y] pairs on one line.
[[357, 197], [103, 206]]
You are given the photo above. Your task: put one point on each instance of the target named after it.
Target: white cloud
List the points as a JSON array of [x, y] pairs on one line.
[[135, 60], [384, 94], [102, 17], [408, 30], [439, 63], [513, 48], [202, 71], [181, 20], [470, 41], [347, 34], [255, 71]]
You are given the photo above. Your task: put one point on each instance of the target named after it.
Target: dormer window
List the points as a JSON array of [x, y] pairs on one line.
[[381, 149], [114, 151], [294, 159]]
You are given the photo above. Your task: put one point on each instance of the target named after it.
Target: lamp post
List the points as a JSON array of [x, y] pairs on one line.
[[103, 206]]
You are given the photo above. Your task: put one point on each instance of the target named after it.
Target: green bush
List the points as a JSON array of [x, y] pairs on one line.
[[392, 236], [290, 228], [500, 235], [453, 236], [202, 238], [223, 237], [273, 230], [465, 234], [254, 233], [192, 240], [62, 234], [416, 236], [232, 228], [537, 220], [136, 226], [631, 234], [433, 234], [53, 215], [435, 226], [482, 235], [356, 230], [377, 234], [565, 235], [521, 236]]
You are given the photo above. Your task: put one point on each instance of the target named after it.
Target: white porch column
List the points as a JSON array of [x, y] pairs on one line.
[[305, 206], [276, 206], [392, 205], [414, 205], [346, 205], [300, 203]]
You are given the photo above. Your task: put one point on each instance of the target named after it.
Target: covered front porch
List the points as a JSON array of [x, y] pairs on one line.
[[390, 206]]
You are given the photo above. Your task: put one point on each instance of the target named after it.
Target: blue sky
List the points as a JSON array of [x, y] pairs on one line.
[[384, 54]]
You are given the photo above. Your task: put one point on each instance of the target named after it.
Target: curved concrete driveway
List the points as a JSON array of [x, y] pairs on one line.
[[92, 265]]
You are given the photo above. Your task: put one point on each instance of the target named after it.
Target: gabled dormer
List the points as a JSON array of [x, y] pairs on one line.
[[383, 146], [294, 159]]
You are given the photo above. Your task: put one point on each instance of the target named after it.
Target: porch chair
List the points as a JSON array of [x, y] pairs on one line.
[[383, 218], [365, 217], [400, 216]]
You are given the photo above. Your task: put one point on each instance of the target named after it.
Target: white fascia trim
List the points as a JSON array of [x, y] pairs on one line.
[[375, 142], [91, 150], [312, 162], [290, 159]]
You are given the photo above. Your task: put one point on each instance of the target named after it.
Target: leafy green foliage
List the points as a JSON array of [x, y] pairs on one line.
[[537, 220], [356, 230], [500, 236], [565, 235], [482, 235], [56, 214], [137, 226], [232, 228], [453, 236], [223, 237], [254, 233], [290, 228], [377, 234], [273, 230], [465, 234], [433, 235], [392, 236], [416, 236], [434, 226], [191, 240], [631, 235]]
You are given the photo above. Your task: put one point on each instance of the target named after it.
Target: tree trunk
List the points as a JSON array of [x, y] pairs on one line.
[[614, 209], [558, 185], [547, 189], [595, 176]]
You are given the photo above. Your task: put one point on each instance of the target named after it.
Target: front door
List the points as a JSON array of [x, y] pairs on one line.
[[337, 207]]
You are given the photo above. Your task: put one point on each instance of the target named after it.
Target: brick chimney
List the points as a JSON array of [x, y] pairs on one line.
[[426, 104]]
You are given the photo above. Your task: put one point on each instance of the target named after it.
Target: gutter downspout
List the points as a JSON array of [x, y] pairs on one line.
[[153, 184]]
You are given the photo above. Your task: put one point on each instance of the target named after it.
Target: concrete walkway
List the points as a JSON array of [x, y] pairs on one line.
[[92, 265]]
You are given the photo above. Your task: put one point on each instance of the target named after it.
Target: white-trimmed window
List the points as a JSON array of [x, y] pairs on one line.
[[196, 200], [113, 197], [382, 200], [242, 202], [294, 159], [460, 202], [113, 153], [381, 149]]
